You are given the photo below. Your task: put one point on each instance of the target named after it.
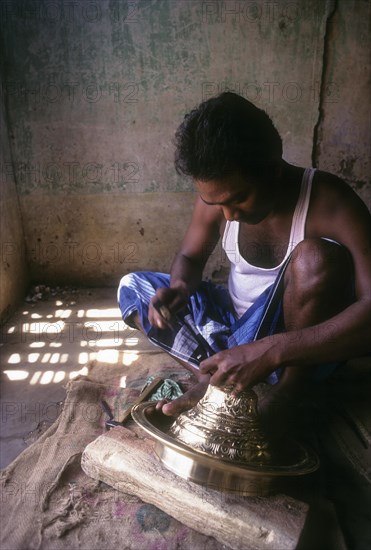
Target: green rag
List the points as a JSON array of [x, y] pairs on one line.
[[168, 390]]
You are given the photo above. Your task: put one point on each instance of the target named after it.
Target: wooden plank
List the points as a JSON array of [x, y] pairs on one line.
[[126, 461]]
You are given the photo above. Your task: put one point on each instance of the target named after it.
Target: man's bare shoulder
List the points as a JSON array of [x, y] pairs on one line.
[[334, 206], [207, 214], [203, 232]]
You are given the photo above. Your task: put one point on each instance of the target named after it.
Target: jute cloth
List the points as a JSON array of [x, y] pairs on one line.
[[49, 503]]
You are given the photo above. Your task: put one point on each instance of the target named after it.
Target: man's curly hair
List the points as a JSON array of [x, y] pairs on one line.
[[226, 134]]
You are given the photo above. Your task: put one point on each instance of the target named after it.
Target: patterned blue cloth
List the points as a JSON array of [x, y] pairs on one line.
[[207, 324]]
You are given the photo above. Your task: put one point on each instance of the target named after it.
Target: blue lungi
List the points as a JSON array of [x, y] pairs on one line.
[[207, 324], [209, 314]]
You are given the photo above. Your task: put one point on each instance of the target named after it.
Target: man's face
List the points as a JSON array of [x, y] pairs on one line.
[[240, 198]]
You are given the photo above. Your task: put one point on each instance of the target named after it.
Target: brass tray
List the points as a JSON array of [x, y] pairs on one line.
[[216, 473]]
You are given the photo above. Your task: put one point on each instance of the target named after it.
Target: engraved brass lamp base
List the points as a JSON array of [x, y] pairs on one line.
[[219, 443]]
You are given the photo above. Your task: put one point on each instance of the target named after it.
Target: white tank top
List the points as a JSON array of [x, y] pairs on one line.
[[246, 282]]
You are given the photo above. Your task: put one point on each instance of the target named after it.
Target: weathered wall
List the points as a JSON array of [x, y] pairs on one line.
[[13, 270], [95, 89], [343, 138]]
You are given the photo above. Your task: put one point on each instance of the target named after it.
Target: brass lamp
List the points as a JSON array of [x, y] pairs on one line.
[[219, 443]]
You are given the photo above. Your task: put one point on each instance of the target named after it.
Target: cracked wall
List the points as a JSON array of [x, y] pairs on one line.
[[95, 90], [343, 141]]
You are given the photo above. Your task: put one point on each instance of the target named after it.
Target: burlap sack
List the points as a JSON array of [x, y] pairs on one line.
[[49, 503]]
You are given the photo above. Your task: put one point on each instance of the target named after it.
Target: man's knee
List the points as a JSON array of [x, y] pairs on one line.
[[129, 279], [319, 267], [135, 292], [139, 282]]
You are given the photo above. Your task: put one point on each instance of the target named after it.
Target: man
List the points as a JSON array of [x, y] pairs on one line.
[[299, 244]]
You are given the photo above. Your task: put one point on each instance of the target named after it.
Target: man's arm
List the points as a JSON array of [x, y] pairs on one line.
[[336, 212], [186, 271]]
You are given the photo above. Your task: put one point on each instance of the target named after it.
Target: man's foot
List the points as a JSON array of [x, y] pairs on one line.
[[188, 400]]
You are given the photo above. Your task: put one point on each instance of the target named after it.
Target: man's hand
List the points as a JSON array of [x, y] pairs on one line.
[[171, 301], [241, 367]]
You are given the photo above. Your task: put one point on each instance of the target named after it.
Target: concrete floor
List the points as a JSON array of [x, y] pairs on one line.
[[44, 345]]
